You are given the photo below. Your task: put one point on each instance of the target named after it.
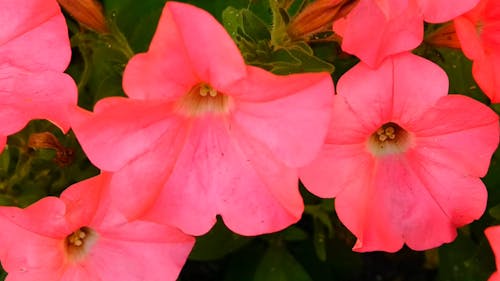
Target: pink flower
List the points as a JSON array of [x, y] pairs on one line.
[[77, 237], [479, 35], [217, 136], [493, 235], [402, 157], [34, 51], [376, 29]]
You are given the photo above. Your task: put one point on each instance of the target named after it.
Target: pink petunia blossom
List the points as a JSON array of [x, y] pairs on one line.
[[217, 136], [78, 237], [479, 35], [402, 157], [376, 29], [493, 235], [34, 51]]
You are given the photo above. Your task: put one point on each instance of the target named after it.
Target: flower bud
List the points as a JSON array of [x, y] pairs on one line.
[[47, 140], [318, 17], [444, 36], [89, 13]]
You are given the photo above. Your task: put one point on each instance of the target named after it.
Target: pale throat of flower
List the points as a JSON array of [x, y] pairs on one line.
[[204, 99], [390, 138], [79, 243]]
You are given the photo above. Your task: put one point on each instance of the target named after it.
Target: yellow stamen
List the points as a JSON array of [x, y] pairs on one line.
[[203, 99], [79, 243], [390, 138]]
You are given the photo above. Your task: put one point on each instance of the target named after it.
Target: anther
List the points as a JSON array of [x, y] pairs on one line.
[[212, 92], [388, 139]]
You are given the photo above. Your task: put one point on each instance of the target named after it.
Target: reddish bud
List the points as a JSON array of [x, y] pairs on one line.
[[444, 36], [89, 13], [318, 17], [47, 140]]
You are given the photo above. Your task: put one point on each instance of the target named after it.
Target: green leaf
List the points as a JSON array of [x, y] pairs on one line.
[[255, 28], [319, 240], [495, 212], [465, 260], [4, 160], [279, 35], [293, 233], [278, 264], [6, 200], [136, 19], [259, 48], [459, 71]]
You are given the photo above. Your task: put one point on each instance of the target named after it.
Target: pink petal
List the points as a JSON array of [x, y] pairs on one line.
[[270, 190], [436, 11], [363, 207], [400, 90], [140, 251], [262, 86], [142, 180], [77, 272], [217, 173], [459, 132], [82, 200], [219, 60], [462, 198], [146, 232], [368, 102], [486, 72], [410, 199], [120, 130], [336, 168], [270, 104], [399, 28], [28, 95], [493, 235], [144, 76], [343, 155], [34, 35], [45, 217], [470, 41], [175, 61], [28, 256], [345, 120], [418, 84]]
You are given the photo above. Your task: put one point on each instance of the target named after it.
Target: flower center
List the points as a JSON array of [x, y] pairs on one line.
[[390, 138], [203, 99], [79, 243]]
